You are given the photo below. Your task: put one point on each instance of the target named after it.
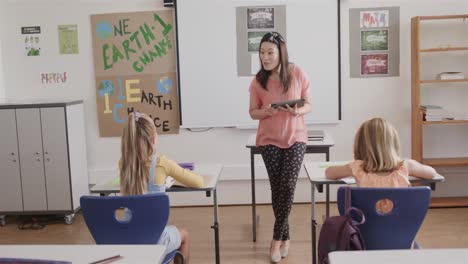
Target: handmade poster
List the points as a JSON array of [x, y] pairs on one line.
[[261, 17], [254, 39], [31, 37], [374, 40], [54, 77], [374, 19], [135, 70], [68, 39], [374, 64]]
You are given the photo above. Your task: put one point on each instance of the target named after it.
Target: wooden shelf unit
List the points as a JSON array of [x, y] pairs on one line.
[[417, 122], [446, 162], [444, 202], [443, 81], [445, 122], [444, 49]]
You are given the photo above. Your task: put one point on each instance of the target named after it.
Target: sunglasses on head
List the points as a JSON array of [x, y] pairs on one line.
[[275, 37]]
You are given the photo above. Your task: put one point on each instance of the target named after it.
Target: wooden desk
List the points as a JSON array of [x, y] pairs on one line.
[[426, 256], [144, 254], [317, 147], [210, 174], [316, 173]]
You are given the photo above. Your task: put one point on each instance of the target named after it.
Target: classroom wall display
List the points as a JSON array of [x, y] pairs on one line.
[[374, 42], [68, 39], [374, 64], [251, 24], [218, 56], [134, 64], [54, 77], [31, 37]]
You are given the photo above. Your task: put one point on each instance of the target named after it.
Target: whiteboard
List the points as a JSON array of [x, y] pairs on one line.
[[213, 95]]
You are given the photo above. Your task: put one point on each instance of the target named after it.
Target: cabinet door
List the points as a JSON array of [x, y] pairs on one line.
[[57, 173], [10, 180], [28, 122]]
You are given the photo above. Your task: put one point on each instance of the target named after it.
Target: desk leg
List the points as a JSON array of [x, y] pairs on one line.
[[313, 224], [216, 225], [252, 181], [327, 203]]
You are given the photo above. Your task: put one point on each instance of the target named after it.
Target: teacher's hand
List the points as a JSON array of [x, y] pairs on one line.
[[292, 110], [269, 111]]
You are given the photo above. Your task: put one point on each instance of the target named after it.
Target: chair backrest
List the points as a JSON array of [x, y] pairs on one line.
[[145, 218], [396, 229]]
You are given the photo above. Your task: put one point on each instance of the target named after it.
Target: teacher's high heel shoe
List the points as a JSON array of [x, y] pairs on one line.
[[275, 256], [284, 249]]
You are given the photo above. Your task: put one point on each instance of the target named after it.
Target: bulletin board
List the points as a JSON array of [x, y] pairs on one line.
[[134, 58]]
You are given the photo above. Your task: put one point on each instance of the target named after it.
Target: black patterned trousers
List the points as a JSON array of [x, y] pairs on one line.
[[283, 166]]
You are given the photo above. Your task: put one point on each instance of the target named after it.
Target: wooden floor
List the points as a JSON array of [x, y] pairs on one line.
[[443, 228]]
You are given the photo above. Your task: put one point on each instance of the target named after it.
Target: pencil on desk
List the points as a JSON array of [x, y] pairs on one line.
[[107, 260]]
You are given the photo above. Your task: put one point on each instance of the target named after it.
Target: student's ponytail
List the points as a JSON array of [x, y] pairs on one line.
[[136, 149]]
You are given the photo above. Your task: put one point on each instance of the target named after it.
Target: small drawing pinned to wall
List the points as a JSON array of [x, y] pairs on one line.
[[261, 17], [68, 39], [31, 40], [374, 18], [374, 64], [374, 40], [54, 77]]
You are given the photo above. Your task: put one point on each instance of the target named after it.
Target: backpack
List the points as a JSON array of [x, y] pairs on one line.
[[341, 233]]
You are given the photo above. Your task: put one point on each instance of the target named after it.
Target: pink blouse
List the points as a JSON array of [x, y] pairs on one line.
[[282, 129], [397, 178]]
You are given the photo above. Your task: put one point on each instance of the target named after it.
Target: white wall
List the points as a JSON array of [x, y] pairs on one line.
[[361, 99], [2, 36]]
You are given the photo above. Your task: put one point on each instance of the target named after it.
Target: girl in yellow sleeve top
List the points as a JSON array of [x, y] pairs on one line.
[[142, 171]]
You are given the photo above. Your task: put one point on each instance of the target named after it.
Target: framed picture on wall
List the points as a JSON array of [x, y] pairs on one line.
[[374, 64], [374, 18], [261, 17], [374, 40], [253, 39]]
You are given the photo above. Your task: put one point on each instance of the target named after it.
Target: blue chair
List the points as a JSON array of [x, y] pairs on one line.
[[145, 219], [396, 229]]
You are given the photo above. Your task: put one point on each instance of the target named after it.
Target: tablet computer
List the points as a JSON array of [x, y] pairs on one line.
[[291, 103]]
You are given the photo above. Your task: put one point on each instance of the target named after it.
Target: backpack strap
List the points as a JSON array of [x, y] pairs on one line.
[[349, 208], [358, 212], [347, 198]]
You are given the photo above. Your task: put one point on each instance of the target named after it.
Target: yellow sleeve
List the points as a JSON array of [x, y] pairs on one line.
[[166, 167]]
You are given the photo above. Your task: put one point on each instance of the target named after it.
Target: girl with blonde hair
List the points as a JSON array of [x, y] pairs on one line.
[[377, 161], [142, 171]]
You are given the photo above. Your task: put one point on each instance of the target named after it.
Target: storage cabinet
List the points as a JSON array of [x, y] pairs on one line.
[[440, 44], [43, 168]]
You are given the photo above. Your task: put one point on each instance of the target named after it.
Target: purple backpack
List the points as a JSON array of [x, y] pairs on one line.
[[341, 233]]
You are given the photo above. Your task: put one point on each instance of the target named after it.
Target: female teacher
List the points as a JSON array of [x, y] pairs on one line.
[[282, 134]]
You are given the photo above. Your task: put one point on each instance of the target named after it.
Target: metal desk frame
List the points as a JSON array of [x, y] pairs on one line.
[[313, 147]]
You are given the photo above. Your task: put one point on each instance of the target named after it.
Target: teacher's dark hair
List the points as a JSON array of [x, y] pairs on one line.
[[263, 75]]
